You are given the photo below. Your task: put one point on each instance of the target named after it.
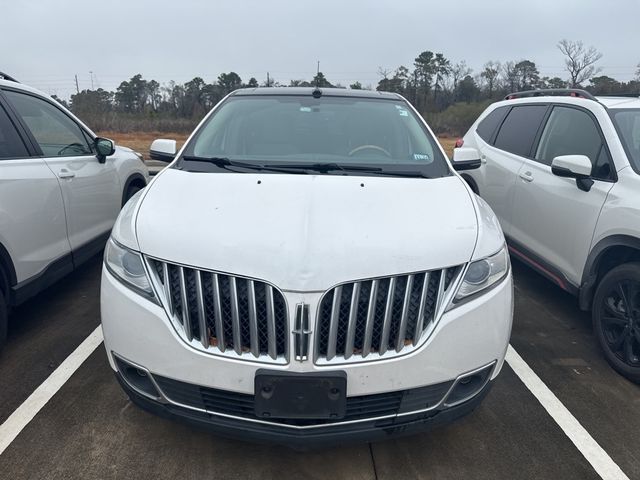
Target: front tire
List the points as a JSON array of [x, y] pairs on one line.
[[616, 319]]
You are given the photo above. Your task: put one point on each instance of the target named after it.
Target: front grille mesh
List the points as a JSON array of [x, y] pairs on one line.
[[381, 315], [224, 312]]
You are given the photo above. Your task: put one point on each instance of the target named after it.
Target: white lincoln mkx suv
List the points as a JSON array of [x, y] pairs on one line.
[[561, 169], [309, 268]]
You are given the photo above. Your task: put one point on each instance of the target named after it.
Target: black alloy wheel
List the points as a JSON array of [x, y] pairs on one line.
[[616, 319]]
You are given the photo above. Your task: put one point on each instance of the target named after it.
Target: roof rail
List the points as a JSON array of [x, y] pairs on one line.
[[553, 92], [624, 95], [4, 76]]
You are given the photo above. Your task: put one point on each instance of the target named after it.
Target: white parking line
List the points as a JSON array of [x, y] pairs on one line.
[[20, 418], [588, 447]]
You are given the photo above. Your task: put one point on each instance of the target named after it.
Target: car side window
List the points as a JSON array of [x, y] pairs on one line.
[[489, 124], [11, 145], [56, 133], [520, 128], [570, 131]]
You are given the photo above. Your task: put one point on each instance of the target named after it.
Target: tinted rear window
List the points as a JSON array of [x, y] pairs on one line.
[[490, 123], [519, 129]]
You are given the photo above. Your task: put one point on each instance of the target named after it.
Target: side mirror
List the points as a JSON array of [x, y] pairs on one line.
[[574, 166], [163, 150], [466, 159], [104, 148]]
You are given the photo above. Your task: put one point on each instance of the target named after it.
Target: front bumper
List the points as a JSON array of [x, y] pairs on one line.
[[330, 435], [471, 336]]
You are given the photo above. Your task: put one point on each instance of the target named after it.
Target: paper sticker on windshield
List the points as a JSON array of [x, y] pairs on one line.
[[403, 113], [305, 109], [423, 157]]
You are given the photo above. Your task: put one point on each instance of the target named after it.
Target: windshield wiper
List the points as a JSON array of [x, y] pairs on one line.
[[326, 167], [224, 162], [332, 166], [220, 161], [409, 174]]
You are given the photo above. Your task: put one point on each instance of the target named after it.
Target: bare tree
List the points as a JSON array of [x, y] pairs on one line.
[[384, 72], [458, 72], [489, 74], [510, 76], [638, 72], [580, 61]]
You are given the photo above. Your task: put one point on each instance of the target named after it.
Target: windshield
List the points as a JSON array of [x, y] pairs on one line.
[[302, 132], [627, 121]]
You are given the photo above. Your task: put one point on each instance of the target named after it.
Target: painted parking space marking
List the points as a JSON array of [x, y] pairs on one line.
[[21, 417], [597, 457], [584, 442]]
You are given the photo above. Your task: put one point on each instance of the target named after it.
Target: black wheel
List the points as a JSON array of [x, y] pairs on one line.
[[131, 191], [616, 319], [4, 320]]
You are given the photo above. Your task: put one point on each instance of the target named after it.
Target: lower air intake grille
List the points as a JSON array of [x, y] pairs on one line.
[[383, 316], [225, 313], [358, 408]]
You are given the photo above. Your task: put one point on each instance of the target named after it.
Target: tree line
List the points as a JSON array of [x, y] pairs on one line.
[[450, 95]]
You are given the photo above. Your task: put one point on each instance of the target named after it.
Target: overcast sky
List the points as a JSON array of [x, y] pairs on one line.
[[45, 43]]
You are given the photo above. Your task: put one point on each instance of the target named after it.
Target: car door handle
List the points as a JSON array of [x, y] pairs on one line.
[[66, 174], [527, 176]]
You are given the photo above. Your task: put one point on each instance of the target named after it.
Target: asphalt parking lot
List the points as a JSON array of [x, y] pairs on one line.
[[89, 429]]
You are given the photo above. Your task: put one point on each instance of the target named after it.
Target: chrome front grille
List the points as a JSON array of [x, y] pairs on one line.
[[380, 317], [226, 314]]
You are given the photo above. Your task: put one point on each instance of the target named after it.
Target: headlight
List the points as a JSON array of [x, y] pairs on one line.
[[482, 274], [126, 265]]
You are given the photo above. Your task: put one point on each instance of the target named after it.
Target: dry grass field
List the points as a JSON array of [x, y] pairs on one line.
[[447, 143], [140, 141]]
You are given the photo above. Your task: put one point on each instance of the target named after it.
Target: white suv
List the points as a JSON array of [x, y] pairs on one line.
[[61, 189], [561, 169], [309, 268]]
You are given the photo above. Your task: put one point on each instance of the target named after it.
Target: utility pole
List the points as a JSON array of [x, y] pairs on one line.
[[318, 74], [77, 87], [91, 73]]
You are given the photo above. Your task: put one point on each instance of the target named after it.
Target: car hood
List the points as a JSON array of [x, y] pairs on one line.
[[307, 232]]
